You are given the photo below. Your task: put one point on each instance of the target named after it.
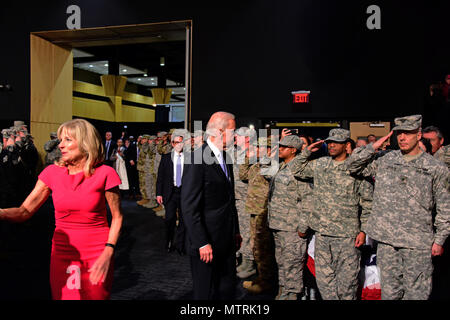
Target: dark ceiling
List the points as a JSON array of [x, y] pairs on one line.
[[146, 57]]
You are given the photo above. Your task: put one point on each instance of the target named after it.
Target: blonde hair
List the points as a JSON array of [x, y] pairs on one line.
[[89, 143]]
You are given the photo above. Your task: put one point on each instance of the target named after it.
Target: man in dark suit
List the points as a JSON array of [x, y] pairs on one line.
[[130, 156], [168, 190], [209, 212], [110, 149]]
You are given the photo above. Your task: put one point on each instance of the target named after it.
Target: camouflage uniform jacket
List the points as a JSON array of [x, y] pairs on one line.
[[284, 209], [404, 197], [337, 195], [258, 188], [240, 186], [443, 154], [144, 150], [163, 149]]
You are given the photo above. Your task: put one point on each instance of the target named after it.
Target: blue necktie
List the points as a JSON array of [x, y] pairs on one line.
[[223, 165], [107, 150], [178, 171]]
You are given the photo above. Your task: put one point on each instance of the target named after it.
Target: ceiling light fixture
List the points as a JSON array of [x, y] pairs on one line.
[[162, 61], [105, 64], [124, 70], [91, 66]]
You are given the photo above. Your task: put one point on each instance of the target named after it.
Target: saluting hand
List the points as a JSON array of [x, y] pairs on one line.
[[377, 144], [285, 132], [314, 147]]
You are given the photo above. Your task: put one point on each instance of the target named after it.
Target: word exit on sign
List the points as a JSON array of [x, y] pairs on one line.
[[301, 96]]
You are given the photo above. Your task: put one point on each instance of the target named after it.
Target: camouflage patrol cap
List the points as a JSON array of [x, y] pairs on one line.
[[242, 131], [152, 137], [161, 134], [262, 141], [145, 136], [53, 135], [172, 130], [408, 123], [18, 123], [291, 141], [338, 135]]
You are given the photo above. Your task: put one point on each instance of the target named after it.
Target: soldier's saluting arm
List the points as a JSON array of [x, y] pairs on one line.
[[301, 166], [244, 169], [362, 162]]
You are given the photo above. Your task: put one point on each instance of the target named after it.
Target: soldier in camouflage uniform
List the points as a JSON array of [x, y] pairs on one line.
[[408, 184], [159, 137], [438, 150], [141, 167], [443, 155], [198, 139], [164, 146], [337, 196], [256, 207], [247, 266], [52, 149], [287, 221], [150, 176]]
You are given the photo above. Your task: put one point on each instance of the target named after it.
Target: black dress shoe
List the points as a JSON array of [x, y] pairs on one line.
[[169, 247]]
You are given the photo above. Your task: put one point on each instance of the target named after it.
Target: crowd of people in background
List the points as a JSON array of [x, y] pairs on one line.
[[310, 195]]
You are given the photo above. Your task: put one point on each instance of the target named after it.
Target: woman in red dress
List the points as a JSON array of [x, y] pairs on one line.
[[83, 243]]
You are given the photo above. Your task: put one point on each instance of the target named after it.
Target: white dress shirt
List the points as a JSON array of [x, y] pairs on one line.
[[174, 160]]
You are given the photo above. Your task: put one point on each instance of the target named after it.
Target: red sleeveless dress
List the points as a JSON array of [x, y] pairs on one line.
[[81, 230]]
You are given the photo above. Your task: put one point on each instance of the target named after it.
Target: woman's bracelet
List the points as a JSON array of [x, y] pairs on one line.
[[110, 245]]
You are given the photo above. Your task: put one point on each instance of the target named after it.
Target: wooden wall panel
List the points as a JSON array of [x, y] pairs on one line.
[[363, 129], [51, 89], [93, 109]]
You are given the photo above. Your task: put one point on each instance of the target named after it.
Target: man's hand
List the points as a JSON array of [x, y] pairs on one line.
[[379, 143], [314, 147], [238, 241], [360, 239], [285, 132], [301, 235], [132, 162], [437, 250], [159, 199], [206, 253]]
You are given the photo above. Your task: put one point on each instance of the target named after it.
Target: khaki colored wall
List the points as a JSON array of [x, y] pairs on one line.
[[111, 111], [51, 89], [363, 129]]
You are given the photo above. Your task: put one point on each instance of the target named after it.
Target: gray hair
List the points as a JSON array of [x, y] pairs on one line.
[[218, 121], [180, 133], [433, 129]]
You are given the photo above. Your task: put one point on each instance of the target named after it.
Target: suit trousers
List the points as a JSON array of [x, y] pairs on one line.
[[215, 280], [170, 220]]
